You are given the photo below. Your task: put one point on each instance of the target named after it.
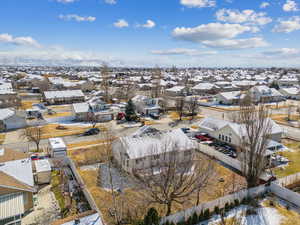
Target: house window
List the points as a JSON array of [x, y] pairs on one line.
[[156, 157], [222, 137], [229, 140], [226, 138], [187, 153]]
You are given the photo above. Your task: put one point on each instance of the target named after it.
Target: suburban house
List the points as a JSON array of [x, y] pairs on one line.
[[230, 98], [145, 150], [265, 94], [205, 89], [291, 93], [8, 97], [11, 119], [60, 83], [63, 97], [16, 186], [176, 91], [232, 133], [145, 105], [96, 111]]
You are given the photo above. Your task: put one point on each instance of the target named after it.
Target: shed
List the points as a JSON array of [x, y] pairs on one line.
[[58, 147], [43, 171]]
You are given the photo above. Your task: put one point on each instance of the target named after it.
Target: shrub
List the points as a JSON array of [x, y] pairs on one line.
[[217, 210], [232, 205], [206, 214], [195, 218], [236, 202], [152, 217], [227, 207], [201, 216]]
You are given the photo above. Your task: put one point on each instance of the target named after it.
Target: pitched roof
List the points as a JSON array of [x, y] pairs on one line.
[[6, 113]]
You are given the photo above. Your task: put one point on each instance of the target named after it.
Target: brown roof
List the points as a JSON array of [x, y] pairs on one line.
[[10, 182], [71, 218], [10, 155]]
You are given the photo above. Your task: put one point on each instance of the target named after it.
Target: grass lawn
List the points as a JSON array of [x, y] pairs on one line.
[[290, 217], [293, 156], [58, 114], [28, 104], [51, 131], [56, 189], [134, 200], [2, 138], [89, 155], [175, 116]]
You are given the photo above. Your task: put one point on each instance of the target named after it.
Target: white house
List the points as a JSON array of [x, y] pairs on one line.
[[176, 91], [145, 105], [232, 133], [205, 89], [58, 147], [16, 186], [292, 92], [64, 97], [140, 152], [265, 94], [11, 119], [230, 98]]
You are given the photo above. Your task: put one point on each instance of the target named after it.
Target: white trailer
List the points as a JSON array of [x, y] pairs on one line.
[[58, 147]]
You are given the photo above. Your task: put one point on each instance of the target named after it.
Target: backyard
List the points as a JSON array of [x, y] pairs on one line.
[[293, 155], [134, 199]]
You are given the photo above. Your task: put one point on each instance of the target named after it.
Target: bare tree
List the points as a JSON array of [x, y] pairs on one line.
[[127, 91], [192, 106], [289, 112], [105, 84], [156, 82], [174, 180], [107, 146], [255, 131], [33, 134], [180, 105]]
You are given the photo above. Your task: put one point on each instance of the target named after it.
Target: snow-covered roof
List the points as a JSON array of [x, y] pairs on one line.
[[290, 91], [42, 165], [57, 143], [140, 147], [175, 89], [231, 95], [81, 107], [93, 219], [63, 94], [204, 86], [6, 113]]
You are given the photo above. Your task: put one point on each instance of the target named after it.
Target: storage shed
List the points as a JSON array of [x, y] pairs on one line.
[[43, 171], [58, 147]]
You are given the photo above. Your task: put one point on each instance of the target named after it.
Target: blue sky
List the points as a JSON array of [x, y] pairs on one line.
[[213, 33]]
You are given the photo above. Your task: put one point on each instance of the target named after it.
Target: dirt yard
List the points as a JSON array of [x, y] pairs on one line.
[[134, 200]]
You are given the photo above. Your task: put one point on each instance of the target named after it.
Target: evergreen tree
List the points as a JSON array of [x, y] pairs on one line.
[[130, 111], [151, 217]]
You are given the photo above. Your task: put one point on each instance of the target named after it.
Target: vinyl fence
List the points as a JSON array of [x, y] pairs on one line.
[[220, 156], [286, 194], [288, 180], [220, 202], [85, 191]]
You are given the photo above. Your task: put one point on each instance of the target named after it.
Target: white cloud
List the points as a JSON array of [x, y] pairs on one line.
[[264, 5], [198, 3], [290, 5], [121, 23], [111, 2], [211, 31], [28, 41], [287, 26], [282, 52], [149, 24], [77, 18], [65, 1], [233, 44], [183, 51], [246, 16]]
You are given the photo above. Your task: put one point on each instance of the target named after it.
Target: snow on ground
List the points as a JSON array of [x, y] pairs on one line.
[[264, 216]]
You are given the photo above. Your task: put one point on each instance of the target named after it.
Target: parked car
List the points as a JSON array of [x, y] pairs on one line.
[[202, 138], [91, 131], [154, 116], [185, 130]]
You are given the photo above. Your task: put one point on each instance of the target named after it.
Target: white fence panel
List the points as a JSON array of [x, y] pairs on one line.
[[60, 119], [292, 179], [285, 194], [220, 156], [220, 202]]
